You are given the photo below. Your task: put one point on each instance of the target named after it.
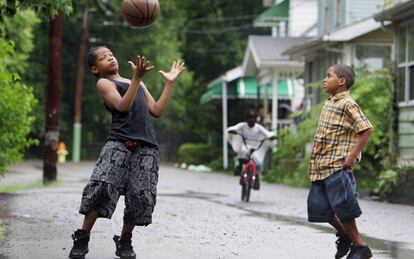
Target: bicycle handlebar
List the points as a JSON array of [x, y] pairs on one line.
[[245, 144]]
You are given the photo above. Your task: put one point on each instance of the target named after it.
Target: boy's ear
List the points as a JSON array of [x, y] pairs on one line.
[[342, 81], [94, 70]]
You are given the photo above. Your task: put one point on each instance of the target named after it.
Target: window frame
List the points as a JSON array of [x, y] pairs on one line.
[[371, 44], [405, 64]]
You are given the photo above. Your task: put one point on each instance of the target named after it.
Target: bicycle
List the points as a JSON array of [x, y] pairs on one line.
[[249, 172]]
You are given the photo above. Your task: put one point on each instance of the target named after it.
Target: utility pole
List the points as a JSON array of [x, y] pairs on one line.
[[54, 75], [77, 124]]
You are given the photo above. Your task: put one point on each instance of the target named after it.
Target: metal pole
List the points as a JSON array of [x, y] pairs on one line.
[[266, 107], [224, 112], [274, 102], [77, 124]]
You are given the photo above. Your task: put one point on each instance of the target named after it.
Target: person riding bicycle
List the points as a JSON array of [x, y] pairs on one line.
[[253, 133]]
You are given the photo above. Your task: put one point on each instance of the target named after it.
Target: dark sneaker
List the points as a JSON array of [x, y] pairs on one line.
[[360, 252], [123, 246], [80, 244], [256, 185], [343, 244]]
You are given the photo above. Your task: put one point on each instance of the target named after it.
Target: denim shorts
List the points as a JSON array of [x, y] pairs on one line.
[[334, 195], [121, 171]]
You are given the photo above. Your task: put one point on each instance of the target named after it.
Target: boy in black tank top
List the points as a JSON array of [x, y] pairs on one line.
[[129, 161]]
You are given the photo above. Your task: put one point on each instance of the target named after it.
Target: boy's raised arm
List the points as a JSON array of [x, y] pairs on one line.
[[157, 108]]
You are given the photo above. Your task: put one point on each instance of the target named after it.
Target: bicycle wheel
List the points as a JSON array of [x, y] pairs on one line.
[[243, 194], [248, 184]]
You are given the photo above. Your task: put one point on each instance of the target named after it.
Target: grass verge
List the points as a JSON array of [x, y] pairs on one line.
[[2, 233], [26, 186]]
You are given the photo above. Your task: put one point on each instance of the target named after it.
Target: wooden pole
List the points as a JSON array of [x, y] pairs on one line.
[[54, 75], [80, 75]]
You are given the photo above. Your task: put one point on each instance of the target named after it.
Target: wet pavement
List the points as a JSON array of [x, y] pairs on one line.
[[198, 215]]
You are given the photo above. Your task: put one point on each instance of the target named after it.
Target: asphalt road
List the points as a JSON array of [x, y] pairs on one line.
[[198, 215]]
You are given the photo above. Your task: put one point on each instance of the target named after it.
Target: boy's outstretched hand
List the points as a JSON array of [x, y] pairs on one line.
[[176, 69], [140, 67]]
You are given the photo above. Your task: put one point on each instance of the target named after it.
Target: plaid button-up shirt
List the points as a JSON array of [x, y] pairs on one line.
[[340, 122]]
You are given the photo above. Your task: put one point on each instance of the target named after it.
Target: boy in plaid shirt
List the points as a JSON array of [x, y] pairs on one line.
[[342, 132]]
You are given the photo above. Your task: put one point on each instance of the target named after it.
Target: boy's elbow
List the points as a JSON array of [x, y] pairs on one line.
[[156, 114], [123, 108], [368, 132]]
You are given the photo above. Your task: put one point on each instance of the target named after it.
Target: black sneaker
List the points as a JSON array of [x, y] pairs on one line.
[[256, 185], [123, 246], [360, 252], [343, 244], [80, 244]]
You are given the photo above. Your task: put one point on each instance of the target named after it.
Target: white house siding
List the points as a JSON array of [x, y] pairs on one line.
[[406, 135], [348, 12], [302, 15], [359, 9]]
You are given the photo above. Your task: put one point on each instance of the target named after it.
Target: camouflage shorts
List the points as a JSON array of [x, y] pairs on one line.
[[121, 171]]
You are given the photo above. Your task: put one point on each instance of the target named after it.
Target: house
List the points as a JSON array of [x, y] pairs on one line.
[[265, 71], [347, 34], [294, 18], [264, 60], [401, 15]]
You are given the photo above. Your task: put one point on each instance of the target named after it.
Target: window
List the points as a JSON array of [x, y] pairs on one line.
[[401, 84], [372, 57], [411, 83], [405, 83], [410, 43], [339, 13]]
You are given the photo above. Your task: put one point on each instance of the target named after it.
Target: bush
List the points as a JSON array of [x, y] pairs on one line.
[[396, 185], [196, 153], [16, 99], [16, 103]]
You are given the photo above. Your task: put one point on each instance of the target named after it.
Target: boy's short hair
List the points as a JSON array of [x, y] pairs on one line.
[[91, 57], [346, 72], [250, 113]]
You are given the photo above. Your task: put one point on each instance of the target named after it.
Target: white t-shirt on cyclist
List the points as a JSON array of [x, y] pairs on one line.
[[253, 135]]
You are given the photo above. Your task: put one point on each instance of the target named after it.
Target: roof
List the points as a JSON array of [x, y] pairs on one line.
[[247, 88], [267, 51], [343, 34], [267, 48], [400, 11], [273, 15]]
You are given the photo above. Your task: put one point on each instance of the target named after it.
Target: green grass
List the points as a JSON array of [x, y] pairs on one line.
[[26, 186], [2, 233]]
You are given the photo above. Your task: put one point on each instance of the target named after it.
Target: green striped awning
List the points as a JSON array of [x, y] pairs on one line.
[[273, 15], [247, 88]]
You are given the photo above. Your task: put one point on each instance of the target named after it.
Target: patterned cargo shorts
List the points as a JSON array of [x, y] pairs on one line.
[[121, 171]]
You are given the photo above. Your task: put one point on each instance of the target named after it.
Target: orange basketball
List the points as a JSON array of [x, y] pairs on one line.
[[140, 13]]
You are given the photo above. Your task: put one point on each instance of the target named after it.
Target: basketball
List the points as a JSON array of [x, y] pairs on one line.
[[140, 13]]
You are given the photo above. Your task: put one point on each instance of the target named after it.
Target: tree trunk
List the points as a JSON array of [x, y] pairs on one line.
[[52, 115]]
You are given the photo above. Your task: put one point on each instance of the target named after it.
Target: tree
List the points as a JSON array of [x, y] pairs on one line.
[[16, 98], [48, 8]]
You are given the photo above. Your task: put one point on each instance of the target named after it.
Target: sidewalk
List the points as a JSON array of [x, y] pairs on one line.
[[197, 215]]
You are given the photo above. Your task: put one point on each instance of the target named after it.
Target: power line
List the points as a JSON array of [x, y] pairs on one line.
[[225, 19], [218, 31]]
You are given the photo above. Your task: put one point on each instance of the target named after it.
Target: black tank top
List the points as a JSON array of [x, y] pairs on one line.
[[135, 124]]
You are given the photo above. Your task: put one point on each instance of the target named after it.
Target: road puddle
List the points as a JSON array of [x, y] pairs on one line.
[[383, 248]]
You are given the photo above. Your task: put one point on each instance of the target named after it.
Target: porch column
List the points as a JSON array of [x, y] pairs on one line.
[[275, 80], [265, 106], [224, 113]]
